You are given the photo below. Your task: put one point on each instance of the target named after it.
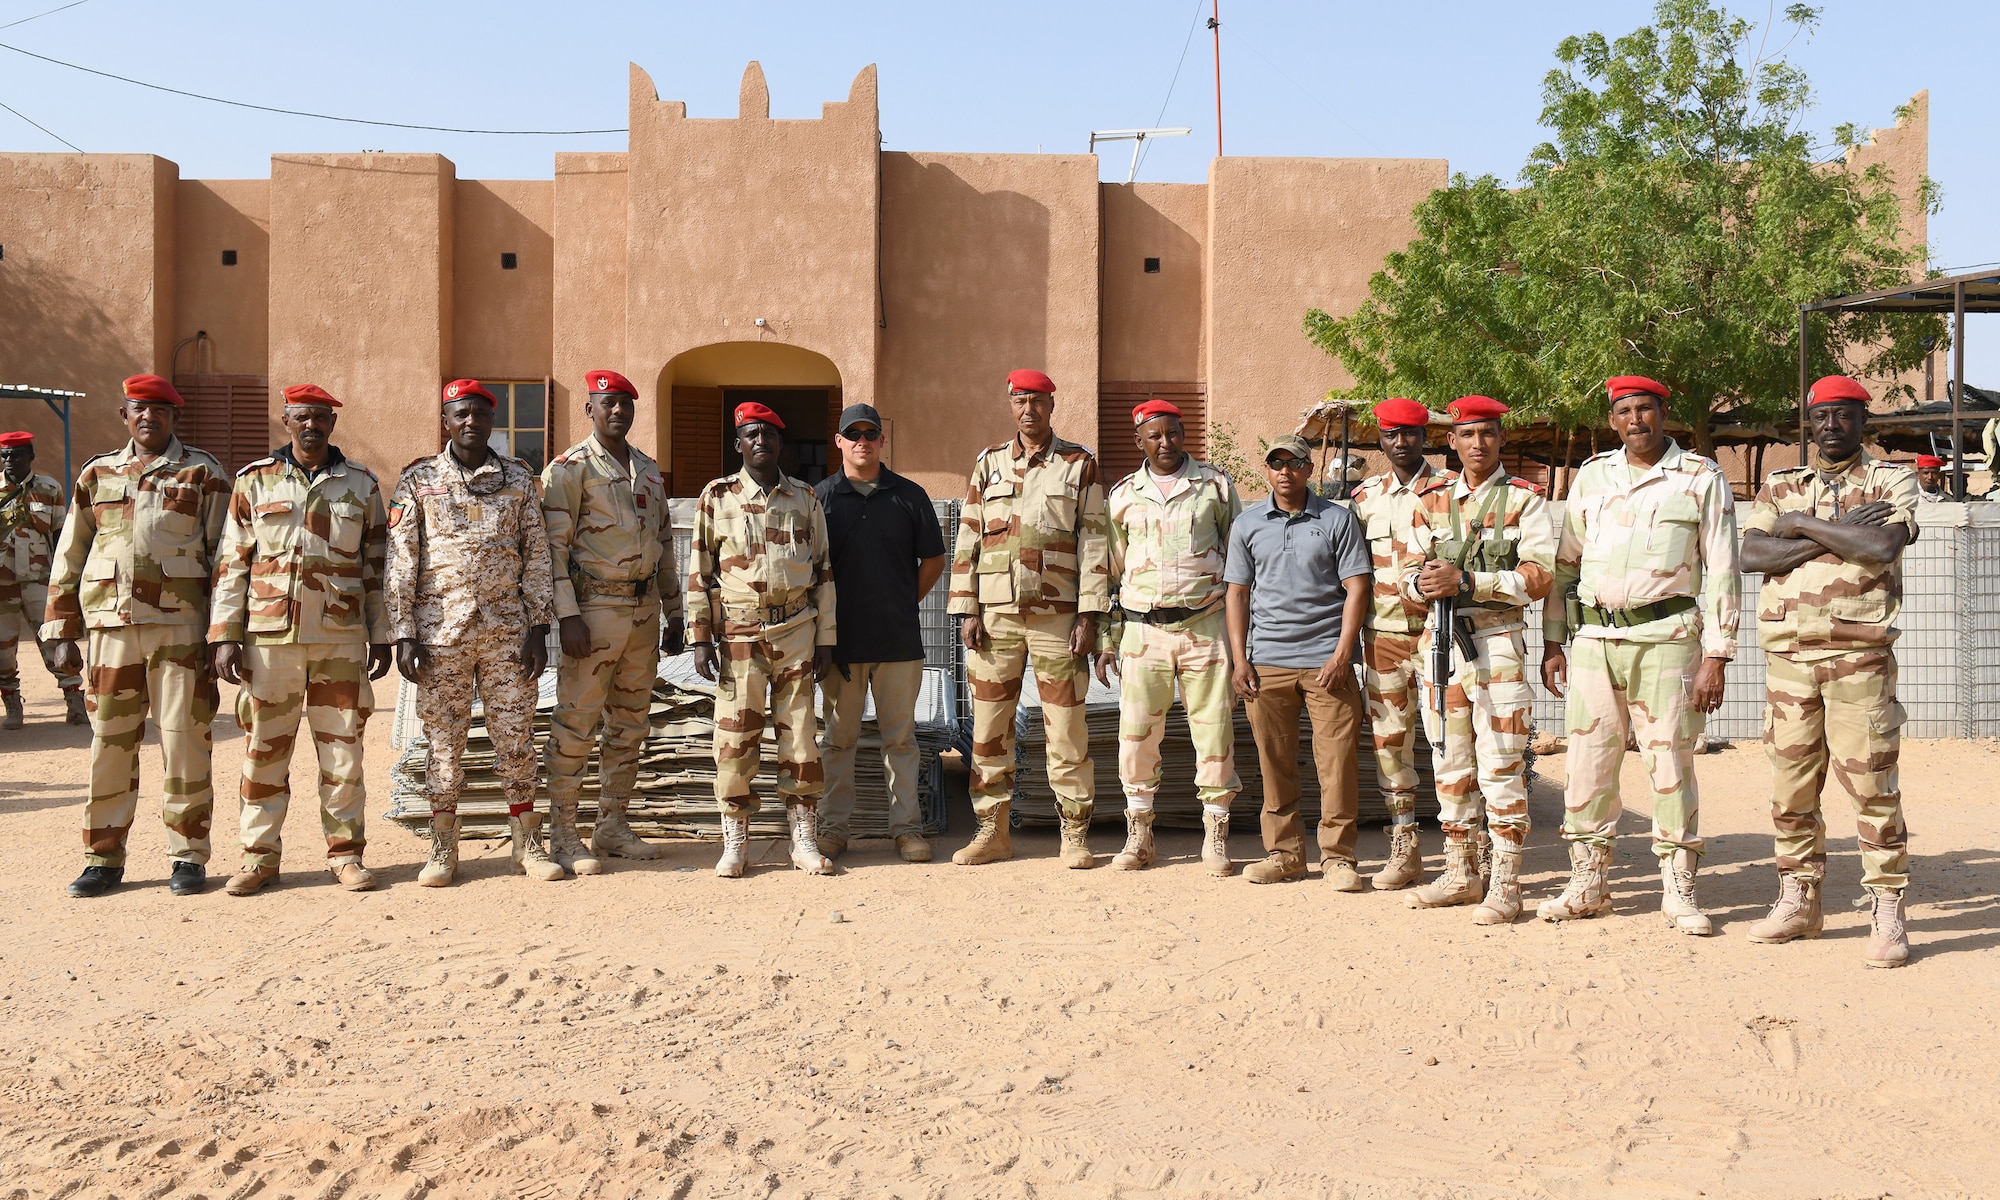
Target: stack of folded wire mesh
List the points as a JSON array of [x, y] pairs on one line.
[[675, 792], [1176, 805]]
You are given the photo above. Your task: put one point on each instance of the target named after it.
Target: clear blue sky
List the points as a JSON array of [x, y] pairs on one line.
[[1446, 79]]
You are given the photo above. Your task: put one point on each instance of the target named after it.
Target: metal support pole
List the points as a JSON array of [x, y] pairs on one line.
[[1957, 390], [1805, 381]]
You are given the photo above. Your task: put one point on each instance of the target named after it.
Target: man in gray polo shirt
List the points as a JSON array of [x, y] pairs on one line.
[[1299, 579]]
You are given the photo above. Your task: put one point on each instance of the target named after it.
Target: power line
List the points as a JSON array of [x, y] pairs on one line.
[[292, 112], [37, 124], [1193, 24], [38, 16], [1252, 47]]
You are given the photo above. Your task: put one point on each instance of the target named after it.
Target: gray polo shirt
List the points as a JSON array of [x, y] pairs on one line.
[[1293, 564]]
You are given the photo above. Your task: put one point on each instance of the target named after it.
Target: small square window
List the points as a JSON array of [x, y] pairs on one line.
[[1152, 266], [508, 261], [229, 258]]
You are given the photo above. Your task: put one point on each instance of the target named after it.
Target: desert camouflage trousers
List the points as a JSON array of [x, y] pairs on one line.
[[1836, 720], [136, 670], [1152, 659], [328, 685], [763, 668], [486, 662], [1390, 671], [1062, 680], [1478, 748], [612, 687], [1646, 689], [10, 658]]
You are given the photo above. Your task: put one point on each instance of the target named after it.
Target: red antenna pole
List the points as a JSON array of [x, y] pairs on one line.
[[1215, 27]]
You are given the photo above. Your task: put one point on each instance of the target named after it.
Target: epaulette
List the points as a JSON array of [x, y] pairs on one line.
[[265, 461], [418, 461], [1527, 485], [560, 460], [1801, 469], [1443, 481], [1600, 454], [365, 469]]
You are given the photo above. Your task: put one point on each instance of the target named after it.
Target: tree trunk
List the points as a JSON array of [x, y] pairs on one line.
[[1704, 433]]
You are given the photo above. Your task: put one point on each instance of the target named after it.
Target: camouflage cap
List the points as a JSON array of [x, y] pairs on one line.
[[1291, 444]]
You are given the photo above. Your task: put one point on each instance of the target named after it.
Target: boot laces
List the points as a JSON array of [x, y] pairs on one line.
[[1135, 840], [440, 854], [1217, 843], [1887, 922], [735, 832], [1681, 880], [1791, 897]]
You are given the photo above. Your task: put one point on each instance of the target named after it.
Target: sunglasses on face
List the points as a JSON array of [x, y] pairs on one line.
[[863, 435], [1288, 464]]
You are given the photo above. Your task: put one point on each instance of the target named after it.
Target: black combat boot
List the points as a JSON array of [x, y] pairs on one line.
[[189, 879], [95, 881]]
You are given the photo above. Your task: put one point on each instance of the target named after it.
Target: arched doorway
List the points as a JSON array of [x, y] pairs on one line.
[[706, 385]]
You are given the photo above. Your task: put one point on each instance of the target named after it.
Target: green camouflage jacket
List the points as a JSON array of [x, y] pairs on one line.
[[138, 547], [302, 561], [1032, 535]]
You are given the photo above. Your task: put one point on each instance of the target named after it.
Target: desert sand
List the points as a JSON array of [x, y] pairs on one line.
[[1009, 1031]]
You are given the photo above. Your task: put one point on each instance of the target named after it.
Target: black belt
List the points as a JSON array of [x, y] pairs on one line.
[[1167, 616], [1639, 614]]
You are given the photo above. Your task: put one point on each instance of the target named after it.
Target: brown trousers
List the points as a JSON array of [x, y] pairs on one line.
[[1336, 726]]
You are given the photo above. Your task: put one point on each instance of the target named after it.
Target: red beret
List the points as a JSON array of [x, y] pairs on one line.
[[607, 382], [19, 437], [152, 387], [1621, 386], [1153, 408], [1030, 381], [1467, 410], [1835, 388], [459, 389], [1923, 460], [1401, 414], [752, 412], [309, 393]]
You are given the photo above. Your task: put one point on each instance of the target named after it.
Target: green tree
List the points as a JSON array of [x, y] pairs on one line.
[[1672, 228]]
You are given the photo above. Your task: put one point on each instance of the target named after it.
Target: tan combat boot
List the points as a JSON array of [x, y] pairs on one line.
[[993, 843], [833, 845], [350, 874], [529, 857], [804, 820], [1275, 867], [735, 846], [250, 880], [1075, 853], [1795, 915], [16, 715], [442, 867], [1503, 887], [1138, 851], [1215, 845], [1888, 939], [913, 847], [1588, 892], [1482, 858], [74, 710], [1460, 882], [611, 836], [1406, 860], [566, 844], [1677, 903]]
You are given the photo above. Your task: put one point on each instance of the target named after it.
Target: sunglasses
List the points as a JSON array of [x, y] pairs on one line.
[[1289, 464], [863, 435]]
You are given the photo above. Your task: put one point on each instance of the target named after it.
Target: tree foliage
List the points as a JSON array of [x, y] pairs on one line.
[[1671, 228]]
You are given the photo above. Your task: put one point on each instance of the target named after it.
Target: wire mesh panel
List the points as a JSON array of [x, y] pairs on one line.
[[1928, 651], [1978, 669]]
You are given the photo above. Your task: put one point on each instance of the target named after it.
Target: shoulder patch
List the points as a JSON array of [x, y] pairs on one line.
[[1443, 481], [417, 461], [1527, 485], [265, 461]]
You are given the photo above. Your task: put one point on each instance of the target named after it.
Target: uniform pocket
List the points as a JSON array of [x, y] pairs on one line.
[[98, 591], [1675, 525], [179, 513], [1887, 718], [1871, 609], [1059, 506], [343, 601], [344, 529]]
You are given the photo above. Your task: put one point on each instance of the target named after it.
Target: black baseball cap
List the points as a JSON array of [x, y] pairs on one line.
[[859, 414]]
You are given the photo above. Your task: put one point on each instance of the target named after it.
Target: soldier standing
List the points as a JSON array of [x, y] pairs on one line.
[[1646, 583], [1029, 580], [298, 620], [760, 595], [612, 542], [1167, 527], [1930, 479], [1386, 506], [1489, 549], [133, 569], [469, 598], [30, 512], [1829, 541]]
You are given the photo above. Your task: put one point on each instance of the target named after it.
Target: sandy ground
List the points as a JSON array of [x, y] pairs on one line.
[[1011, 1031]]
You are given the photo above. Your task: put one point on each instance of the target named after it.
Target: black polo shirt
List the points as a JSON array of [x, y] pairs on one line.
[[876, 540]]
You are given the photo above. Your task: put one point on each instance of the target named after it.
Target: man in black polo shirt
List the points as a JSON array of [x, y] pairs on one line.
[[887, 552]]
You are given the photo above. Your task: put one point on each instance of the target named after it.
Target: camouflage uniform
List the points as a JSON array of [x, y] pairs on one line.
[[1638, 548], [468, 577], [1030, 556], [133, 569], [1488, 704], [1165, 553], [611, 539], [29, 516], [299, 582], [760, 588], [1828, 628], [1391, 667]]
